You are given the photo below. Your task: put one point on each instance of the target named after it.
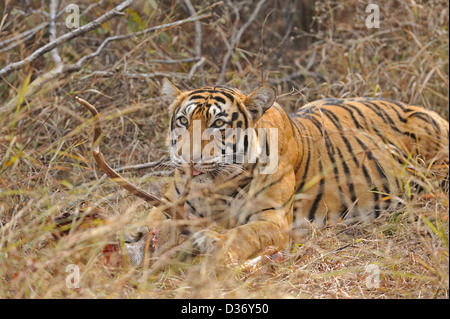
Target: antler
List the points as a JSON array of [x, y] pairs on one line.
[[151, 199]]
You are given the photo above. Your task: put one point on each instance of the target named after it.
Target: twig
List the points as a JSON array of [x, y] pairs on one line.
[[196, 66], [135, 75], [92, 5], [187, 60], [142, 166], [262, 46]]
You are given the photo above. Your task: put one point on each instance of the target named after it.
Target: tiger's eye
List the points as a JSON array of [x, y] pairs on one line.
[[219, 123], [183, 120]]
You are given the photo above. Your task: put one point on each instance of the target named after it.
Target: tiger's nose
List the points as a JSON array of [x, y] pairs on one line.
[[196, 159], [192, 159]]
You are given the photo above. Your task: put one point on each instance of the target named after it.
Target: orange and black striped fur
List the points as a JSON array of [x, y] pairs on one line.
[[338, 159]]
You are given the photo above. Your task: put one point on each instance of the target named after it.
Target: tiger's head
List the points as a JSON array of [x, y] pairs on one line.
[[214, 128]]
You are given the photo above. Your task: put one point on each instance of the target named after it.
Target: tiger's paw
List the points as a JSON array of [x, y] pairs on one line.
[[208, 242]]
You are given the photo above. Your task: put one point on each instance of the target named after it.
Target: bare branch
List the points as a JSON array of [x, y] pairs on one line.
[[135, 75], [92, 5], [198, 39], [196, 66], [52, 31], [65, 38], [142, 166], [198, 30], [195, 59]]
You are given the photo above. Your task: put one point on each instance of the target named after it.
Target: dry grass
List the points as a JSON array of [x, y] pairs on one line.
[[312, 50]]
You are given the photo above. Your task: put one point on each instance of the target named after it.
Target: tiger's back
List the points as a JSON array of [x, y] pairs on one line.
[[357, 154]]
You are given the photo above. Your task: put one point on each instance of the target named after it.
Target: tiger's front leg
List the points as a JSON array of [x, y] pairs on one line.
[[269, 224], [245, 241]]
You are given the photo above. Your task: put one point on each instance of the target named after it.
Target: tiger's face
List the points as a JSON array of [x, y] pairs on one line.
[[212, 129]]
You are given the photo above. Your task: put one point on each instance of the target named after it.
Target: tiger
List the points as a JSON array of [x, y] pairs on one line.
[[336, 160]]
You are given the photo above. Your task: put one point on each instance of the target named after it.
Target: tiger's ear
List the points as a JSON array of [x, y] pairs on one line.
[[169, 91], [260, 100]]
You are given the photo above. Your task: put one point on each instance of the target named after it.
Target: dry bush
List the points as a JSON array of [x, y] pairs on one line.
[[310, 50]]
